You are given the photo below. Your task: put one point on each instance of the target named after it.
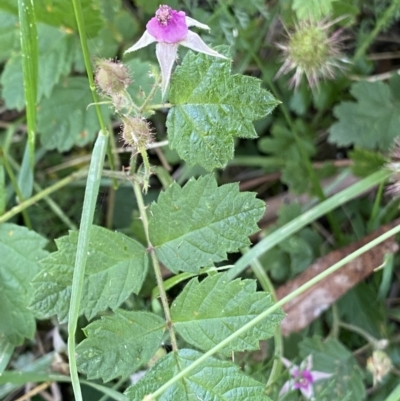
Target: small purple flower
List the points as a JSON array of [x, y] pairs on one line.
[[170, 28], [302, 377]]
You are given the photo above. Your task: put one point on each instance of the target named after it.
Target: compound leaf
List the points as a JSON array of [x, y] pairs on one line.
[[371, 122], [197, 225], [64, 118], [213, 380], [206, 313], [211, 108], [116, 267], [21, 251], [117, 345]]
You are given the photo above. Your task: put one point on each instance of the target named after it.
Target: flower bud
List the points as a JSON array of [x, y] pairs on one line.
[[136, 132], [112, 78], [379, 364]]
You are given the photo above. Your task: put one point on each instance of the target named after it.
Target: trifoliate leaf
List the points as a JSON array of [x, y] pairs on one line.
[[117, 345], [206, 313], [197, 225], [211, 108], [213, 380], [371, 122], [20, 250], [116, 267], [331, 356], [56, 54], [312, 9], [65, 118]]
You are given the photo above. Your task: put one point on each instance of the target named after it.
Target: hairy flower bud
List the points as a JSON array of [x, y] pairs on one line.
[[136, 132], [112, 78]]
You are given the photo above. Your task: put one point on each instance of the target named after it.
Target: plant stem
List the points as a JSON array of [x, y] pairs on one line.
[[383, 21], [275, 307], [267, 286], [156, 265], [307, 217], [86, 57], [14, 183], [89, 205], [371, 340], [40, 195]]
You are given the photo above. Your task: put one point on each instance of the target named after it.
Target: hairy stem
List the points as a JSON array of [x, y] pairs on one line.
[[156, 265]]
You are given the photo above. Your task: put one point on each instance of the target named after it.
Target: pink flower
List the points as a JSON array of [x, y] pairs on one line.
[[302, 377], [170, 28]]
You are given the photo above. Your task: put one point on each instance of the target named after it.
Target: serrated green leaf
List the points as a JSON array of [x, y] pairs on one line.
[[332, 357], [117, 345], [116, 267], [20, 250], [211, 108], [214, 380], [197, 225], [312, 9], [206, 313], [371, 122], [64, 119], [57, 51]]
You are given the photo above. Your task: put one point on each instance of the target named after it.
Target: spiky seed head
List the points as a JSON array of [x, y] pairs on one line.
[[311, 50]]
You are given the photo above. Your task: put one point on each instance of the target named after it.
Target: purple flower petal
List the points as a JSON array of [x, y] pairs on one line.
[[166, 56], [144, 41], [194, 42], [320, 375], [308, 391], [168, 26]]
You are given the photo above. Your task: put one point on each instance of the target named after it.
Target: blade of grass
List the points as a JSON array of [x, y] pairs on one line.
[[15, 185], [6, 351], [20, 378], [306, 218], [89, 205], [30, 57]]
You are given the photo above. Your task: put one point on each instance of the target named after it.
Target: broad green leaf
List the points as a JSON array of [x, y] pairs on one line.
[[211, 108], [8, 34], [57, 52], [65, 118], [214, 380], [372, 121], [331, 356], [116, 267], [61, 13], [118, 345], [206, 313], [20, 250], [198, 224], [312, 9]]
